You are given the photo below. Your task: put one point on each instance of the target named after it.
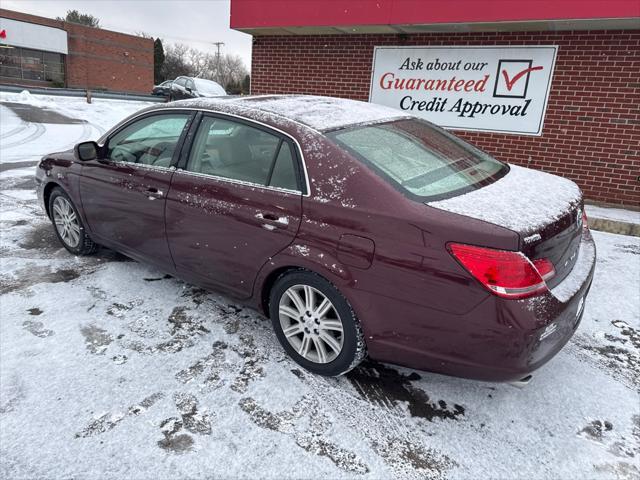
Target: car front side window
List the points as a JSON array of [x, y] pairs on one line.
[[149, 141], [236, 151]]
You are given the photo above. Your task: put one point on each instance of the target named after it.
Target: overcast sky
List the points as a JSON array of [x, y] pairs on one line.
[[193, 22]]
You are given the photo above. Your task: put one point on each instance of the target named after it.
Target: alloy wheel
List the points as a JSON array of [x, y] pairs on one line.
[[66, 222], [311, 324]]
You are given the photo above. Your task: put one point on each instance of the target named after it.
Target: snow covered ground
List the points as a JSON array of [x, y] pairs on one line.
[[111, 369], [26, 141]]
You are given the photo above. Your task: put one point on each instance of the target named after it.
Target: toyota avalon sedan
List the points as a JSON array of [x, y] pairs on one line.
[[358, 230]]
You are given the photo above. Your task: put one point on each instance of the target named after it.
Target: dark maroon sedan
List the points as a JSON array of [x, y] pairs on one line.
[[357, 229]]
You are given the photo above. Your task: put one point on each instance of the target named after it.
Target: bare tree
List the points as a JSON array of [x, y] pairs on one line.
[[232, 70], [175, 61], [202, 63]]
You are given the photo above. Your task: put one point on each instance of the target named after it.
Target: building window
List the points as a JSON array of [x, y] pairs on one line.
[[28, 64]]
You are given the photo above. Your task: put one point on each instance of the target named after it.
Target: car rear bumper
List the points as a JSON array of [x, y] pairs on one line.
[[499, 340]]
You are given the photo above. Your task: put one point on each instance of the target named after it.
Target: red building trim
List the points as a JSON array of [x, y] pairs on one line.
[[247, 15]]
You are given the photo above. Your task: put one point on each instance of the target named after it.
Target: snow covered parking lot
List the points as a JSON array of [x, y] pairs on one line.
[[111, 369]]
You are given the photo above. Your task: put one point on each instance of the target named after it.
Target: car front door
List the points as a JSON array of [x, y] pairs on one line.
[[123, 192], [234, 202]]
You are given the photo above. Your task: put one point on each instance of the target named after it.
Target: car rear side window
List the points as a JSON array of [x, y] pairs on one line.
[[420, 159], [150, 141], [233, 150], [284, 173]]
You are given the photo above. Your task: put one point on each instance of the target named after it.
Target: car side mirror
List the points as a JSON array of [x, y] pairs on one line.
[[86, 151], [189, 89]]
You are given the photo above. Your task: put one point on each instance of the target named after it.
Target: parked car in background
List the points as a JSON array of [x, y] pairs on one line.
[[355, 228], [187, 87], [162, 90]]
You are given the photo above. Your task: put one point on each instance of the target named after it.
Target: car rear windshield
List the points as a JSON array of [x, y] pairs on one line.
[[208, 87], [420, 159]]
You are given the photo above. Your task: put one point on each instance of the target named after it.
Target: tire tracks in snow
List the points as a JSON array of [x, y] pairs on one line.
[[390, 433], [14, 131], [84, 136], [39, 131], [87, 133]]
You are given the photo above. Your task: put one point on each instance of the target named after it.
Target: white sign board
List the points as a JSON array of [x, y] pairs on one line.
[[489, 89], [30, 35]]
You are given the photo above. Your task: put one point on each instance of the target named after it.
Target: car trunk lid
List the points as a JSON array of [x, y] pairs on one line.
[[558, 242], [543, 209]]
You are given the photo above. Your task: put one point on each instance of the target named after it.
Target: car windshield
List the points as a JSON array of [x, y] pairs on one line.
[[420, 159], [208, 87]]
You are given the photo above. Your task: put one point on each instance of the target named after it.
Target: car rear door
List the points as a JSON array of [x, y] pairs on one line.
[[235, 201], [123, 192]]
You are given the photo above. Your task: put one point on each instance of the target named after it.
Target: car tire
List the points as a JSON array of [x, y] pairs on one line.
[[298, 311], [68, 225]]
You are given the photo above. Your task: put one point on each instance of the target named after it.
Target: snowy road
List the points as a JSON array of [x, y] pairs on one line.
[[111, 369], [42, 126]]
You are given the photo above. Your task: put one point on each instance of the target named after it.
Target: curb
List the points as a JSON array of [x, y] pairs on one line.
[[614, 226]]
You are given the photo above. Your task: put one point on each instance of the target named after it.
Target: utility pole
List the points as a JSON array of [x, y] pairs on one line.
[[218, 45]]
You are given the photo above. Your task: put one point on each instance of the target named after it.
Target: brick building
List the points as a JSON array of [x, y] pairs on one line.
[[590, 117], [42, 51]]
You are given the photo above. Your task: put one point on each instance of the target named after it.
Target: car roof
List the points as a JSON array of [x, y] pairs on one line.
[[317, 112]]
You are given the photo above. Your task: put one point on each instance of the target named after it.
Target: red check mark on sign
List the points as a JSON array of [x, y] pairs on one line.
[[509, 82]]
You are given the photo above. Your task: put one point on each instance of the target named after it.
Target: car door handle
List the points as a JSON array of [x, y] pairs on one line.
[[152, 193], [272, 219]]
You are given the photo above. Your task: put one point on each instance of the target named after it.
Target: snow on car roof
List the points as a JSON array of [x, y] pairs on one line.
[[325, 113], [317, 112]]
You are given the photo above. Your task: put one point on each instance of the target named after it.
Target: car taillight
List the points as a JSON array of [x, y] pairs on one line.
[[585, 224], [545, 268], [505, 273]]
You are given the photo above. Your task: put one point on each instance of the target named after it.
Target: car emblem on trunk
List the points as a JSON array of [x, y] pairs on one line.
[[532, 238], [573, 255]]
